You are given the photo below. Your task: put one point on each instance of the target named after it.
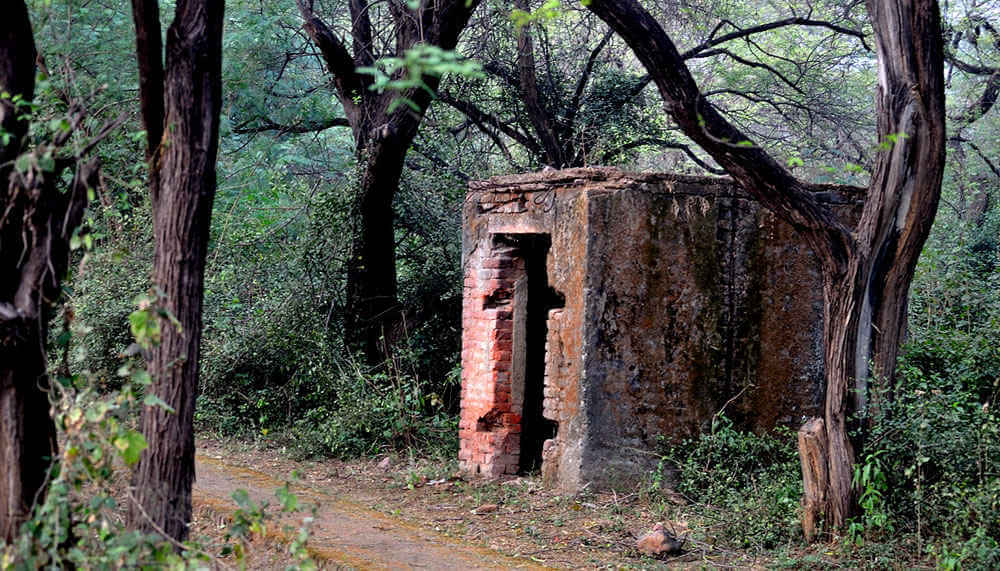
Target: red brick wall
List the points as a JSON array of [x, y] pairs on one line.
[[489, 428]]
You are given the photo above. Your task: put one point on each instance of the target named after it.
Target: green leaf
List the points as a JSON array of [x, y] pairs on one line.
[[289, 501], [23, 163], [130, 445], [242, 498], [47, 163], [153, 400]]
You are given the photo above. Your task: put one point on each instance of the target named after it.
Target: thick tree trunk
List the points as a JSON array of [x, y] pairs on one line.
[[36, 221], [906, 184], [867, 272], [865, 307], [182, 209], [30, 275], [27, 433], [382, 139], [372, 305]]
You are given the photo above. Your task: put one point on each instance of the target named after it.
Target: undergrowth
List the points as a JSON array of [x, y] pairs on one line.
[[744, 488]]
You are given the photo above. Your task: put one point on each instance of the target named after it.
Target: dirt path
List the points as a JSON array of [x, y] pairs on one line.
[[346, 532]]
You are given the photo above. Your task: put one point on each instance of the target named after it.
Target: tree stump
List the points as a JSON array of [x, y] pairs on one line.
[[813, 454]]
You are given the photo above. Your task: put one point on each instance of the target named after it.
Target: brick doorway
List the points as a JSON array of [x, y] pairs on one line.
[[504, 397], [533, 299]]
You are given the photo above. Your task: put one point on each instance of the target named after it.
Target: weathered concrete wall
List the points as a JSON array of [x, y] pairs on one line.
[[682, 296]]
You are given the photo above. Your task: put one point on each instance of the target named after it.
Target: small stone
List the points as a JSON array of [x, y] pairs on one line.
[[385, 463], [485, 509], [659, 542]]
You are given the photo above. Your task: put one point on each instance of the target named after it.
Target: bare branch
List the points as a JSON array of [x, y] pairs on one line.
[[750, 63], [350, 86], [266, 124], [652, 141], [581, 84], [480, 116], [760, 174], [746, 32]]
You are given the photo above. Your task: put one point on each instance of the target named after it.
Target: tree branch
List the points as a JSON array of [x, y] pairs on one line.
[[653, 141], [750, 63], [746, 32], [361, 32], [439, 162], [350, 86], [480, 116], [753, 168], [540, 118], [581, 84], [266, 124], [149, 53]]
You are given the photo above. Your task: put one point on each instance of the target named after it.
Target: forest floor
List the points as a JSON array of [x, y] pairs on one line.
[[400, 513]]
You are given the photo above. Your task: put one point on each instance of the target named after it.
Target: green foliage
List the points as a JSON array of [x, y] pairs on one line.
[[252, 519], [872, 482], [373, 413], [746, 487], [80, 522], [939, 453], [407, 72], [549, 10]]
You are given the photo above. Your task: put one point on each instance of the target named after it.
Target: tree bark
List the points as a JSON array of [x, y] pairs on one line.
[[183, 167], [372, 307], [814, 458], [553, 152], [866, 272], [36, 222]]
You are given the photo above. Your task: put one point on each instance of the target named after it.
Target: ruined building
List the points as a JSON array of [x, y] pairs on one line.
[[607, 312]]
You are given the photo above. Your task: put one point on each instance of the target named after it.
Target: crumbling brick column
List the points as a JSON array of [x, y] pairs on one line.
[[490, 427]]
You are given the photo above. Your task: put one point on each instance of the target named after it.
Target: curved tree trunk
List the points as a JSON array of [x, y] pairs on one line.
[[866, 272], [183, 189]]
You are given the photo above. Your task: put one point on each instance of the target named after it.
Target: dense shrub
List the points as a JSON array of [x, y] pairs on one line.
[[745, 486], [80, 523], [937, 440], [938, 444], [374, 413]]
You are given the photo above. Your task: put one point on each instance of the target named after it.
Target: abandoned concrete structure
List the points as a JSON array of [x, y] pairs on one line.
[[606, 311]]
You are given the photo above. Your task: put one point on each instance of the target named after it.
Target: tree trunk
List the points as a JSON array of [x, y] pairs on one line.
[[182, 210], [37, 219], [814, 458], [906, 184], [553, 154], [867, 272], [27, 433], [381, 138], [372, 307]]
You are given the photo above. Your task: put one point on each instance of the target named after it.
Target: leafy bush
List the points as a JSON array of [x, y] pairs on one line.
[[939, 438], [750, 484], [371, 413], [940, 447], [80, 523]]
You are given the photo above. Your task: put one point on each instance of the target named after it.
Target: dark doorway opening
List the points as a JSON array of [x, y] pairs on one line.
[[533, 299]]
